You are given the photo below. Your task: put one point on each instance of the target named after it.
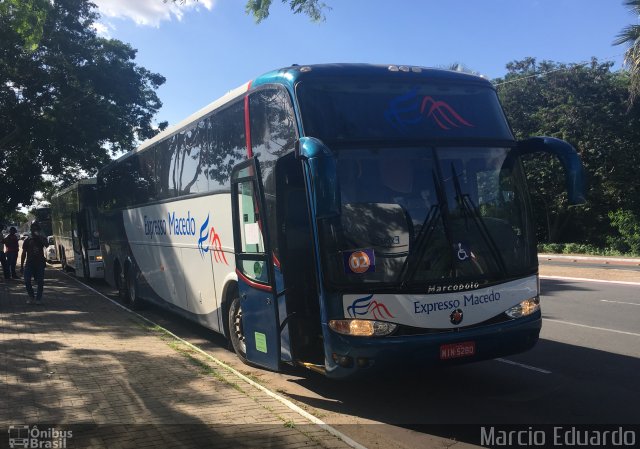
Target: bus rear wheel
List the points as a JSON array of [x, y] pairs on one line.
[[236, 332], [132, 289]]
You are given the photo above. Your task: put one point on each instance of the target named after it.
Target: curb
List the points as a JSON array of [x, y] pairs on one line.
[[605, 260]]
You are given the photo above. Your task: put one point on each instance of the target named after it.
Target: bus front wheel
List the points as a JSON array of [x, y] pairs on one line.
[[119, 281], [236, 332]]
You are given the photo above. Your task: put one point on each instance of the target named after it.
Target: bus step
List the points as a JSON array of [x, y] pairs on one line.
[[313, 367]]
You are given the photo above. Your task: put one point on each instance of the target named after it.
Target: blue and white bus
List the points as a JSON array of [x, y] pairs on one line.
[[341, 217]]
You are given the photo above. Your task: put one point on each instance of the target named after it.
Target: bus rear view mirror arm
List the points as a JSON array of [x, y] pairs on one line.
[[324, 176], [569, 158]]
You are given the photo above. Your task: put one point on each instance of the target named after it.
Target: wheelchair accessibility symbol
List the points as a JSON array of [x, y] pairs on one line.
[[463, 252]]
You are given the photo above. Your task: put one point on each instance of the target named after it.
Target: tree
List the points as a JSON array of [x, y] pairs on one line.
[[312, 8], [630, 36], [586, 105], [260, 8], [28, 18], [68, 98], [14, 218]]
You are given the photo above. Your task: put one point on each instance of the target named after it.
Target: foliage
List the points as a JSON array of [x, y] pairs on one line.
[[68, 98], [15, 217], [259, 9], [28, 18], [312, 8], [582, 248], [586, 105], [630, 36], [628, 227]]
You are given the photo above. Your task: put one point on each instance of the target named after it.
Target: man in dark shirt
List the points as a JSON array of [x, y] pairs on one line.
[[11, 244], [33, 250]]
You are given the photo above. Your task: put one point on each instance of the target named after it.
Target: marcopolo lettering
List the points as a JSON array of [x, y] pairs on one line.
[[427, 308], [452, 287], [182, 225], [154, 227], [474, 300]]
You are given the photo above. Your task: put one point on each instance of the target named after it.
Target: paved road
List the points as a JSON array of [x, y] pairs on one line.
[[584, 370]]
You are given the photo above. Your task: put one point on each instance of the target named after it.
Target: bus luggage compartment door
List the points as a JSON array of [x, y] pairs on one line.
[[260, 321]]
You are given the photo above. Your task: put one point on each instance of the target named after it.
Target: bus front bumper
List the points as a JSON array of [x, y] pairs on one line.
[[353, 356]]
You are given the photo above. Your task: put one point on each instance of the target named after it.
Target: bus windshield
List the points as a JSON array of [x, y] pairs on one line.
[[428, 215], [355, 111], [92, 236]]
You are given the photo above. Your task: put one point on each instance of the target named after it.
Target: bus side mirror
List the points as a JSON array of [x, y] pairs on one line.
[[324, 176], [569, 158]]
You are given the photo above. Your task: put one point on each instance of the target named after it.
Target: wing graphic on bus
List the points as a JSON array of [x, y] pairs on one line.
[[203, 238], [409, 109], [366, 306], [443, 114], [216, 247]]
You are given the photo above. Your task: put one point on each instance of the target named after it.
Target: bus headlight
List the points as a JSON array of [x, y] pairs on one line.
[[526, 307], [99, 258], [362, 328]]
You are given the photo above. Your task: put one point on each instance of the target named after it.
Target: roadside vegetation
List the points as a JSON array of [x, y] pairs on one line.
[[588, 105]]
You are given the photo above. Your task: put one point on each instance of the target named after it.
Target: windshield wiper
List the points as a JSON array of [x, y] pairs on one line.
[[468, 208], [424, 235]]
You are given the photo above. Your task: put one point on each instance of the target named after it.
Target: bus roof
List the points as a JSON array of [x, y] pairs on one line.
[[290, 76], [86, 181]]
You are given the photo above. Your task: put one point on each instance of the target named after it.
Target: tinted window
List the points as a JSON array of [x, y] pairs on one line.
[[273, 134], [363, 111], [196, 160], [164, 154], [145, 188], [188, 152], [273, 131], [112, 188], [228, 145]]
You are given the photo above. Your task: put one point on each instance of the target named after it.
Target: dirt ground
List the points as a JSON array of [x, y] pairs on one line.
[[581, 271]]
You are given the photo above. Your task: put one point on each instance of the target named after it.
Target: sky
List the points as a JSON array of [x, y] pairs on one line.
[[206, 48]]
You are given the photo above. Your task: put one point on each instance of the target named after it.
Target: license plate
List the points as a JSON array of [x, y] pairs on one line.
[[457, 350]]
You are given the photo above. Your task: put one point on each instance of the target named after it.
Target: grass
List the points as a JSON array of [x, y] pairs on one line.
[[581, 248]]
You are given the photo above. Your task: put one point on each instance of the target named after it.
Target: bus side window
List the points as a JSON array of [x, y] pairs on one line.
[[273, 130], [228, 145], [250, 232], [187, 170]]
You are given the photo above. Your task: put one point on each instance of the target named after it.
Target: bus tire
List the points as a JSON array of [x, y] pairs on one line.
[[63, 260], [134, 301], [236, 334], [85, 268], [118, 279]]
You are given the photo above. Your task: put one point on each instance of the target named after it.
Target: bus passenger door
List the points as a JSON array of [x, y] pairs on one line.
[[256, 285]]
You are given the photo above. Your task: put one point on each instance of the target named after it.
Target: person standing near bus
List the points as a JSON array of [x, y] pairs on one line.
[[33, 250], [5, 265], [11, 244]]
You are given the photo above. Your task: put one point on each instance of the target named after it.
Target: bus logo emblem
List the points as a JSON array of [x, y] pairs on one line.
[[369, 306], [214, 243], [409, 109], [360, 262], [456, 316]]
